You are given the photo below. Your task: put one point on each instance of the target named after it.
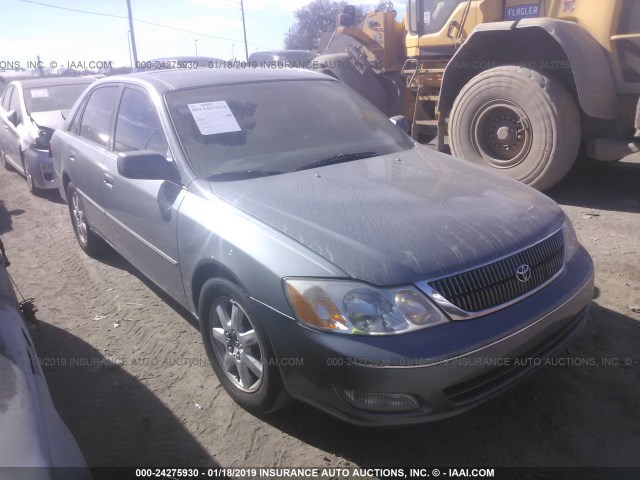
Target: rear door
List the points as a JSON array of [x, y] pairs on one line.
[[86, 151], [143, 213]]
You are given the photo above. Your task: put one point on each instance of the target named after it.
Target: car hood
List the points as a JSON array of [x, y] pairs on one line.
[[400, 218], [52, 119]]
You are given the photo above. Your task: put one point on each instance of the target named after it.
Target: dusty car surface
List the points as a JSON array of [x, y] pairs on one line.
[[35, 441], [30, 111], [327, 256]]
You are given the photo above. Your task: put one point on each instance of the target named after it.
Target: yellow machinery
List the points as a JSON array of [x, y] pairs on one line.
[[516, 85]]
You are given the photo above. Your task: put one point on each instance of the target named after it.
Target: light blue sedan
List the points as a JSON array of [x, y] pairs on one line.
[[327, 257]]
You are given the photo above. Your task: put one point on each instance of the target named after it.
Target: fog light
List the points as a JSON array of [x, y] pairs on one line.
[[379, 402]]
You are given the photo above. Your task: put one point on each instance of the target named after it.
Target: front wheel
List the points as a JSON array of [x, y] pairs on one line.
[[29, 176], [519, 122], [238, 348]]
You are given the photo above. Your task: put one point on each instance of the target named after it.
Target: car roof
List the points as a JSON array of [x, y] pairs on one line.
[[176, 79], [52, 81]]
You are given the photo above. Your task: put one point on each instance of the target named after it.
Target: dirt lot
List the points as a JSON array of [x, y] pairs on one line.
[[156, 402]]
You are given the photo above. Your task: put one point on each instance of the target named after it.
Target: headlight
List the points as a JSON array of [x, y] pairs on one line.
[[571, 244], [356, 308]]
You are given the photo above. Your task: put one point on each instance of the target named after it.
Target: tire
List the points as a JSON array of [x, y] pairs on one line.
[[29, 178], [486, 125], [89, 241], [240, 354]]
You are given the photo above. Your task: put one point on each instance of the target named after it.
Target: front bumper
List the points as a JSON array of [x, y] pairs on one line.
[[448, 369], [41, 168]]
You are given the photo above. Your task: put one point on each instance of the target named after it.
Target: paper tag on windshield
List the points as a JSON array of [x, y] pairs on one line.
[[214, 117], [39, 93]]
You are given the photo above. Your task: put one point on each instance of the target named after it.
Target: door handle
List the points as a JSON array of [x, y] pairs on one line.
[[108, 180], [72, 156]]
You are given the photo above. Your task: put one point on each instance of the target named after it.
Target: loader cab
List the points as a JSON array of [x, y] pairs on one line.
[[430, 16], [436, 27]]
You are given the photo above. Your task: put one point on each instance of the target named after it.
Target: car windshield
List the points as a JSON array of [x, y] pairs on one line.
[[47, 98], [276, 127]]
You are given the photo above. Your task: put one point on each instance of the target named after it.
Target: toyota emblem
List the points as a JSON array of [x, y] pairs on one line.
[[523, 273]]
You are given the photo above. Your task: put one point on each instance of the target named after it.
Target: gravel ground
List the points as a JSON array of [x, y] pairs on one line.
[[128, 372]]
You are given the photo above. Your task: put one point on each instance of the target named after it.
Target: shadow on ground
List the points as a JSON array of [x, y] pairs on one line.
[[607, 186], [115, 260], [51, 195], [106, 408], [5, 217]]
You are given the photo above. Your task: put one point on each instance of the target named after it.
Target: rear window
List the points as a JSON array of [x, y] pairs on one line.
[[54, 97]]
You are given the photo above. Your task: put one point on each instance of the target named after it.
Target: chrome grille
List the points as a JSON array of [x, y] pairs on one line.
[[496, 283]]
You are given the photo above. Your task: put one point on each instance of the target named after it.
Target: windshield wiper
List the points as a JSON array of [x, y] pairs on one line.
[[241, 175], [341, 157]]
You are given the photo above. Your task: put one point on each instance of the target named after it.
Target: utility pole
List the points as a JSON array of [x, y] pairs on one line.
[[130, 56], [244, 29], [133, 37]]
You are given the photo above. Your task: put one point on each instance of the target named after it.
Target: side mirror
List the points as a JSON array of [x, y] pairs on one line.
[[401, 122], [12, 116], [146, 165]]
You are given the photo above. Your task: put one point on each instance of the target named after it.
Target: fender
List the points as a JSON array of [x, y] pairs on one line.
[[556, 47]]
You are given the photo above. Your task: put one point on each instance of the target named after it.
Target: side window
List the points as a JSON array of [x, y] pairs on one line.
[[137, 125], [6, 99], [14, 104], [95, 124], [74, 126], [437, 13], [412, 13]]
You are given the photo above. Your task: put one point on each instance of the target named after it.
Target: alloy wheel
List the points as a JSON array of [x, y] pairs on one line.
[[78, 218], [236, 346]]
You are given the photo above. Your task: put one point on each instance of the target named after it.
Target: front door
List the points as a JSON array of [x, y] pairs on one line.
[[143, 213]]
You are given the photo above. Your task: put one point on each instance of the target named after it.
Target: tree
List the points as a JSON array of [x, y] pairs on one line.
[[313, 19]]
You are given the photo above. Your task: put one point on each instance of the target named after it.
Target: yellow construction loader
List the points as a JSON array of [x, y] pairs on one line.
[[516, 85]]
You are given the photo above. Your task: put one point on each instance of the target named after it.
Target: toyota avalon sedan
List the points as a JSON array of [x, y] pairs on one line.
[[30, 110], [327, 257]]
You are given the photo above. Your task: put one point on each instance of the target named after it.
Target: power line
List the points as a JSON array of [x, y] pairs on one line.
[[74, 9], [257, 17], [160, 25]]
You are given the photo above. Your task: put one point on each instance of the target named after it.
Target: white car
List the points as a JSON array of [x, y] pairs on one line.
[[32, 434], [30, 111]]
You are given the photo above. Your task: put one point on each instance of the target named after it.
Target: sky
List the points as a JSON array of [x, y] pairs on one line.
[[58, 36]]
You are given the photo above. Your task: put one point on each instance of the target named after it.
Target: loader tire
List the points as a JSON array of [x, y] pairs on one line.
[[519, 122]]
